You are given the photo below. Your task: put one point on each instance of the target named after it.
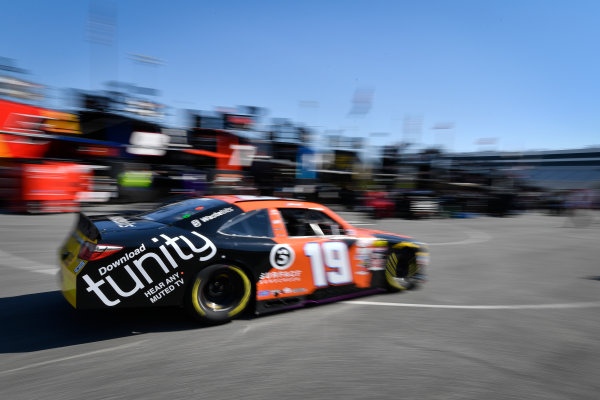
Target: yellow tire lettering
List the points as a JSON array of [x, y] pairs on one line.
[[195, 302], [247, 291]]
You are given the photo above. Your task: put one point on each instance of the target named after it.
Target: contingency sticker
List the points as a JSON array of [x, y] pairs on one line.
[[282, 256]]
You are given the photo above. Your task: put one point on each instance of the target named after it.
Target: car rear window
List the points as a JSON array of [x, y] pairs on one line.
[[174, 212], [254, 223]]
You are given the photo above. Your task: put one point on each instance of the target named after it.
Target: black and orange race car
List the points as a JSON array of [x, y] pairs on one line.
[[219, 256]]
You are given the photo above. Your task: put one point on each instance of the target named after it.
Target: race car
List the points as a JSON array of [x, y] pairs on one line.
[[221, 256]]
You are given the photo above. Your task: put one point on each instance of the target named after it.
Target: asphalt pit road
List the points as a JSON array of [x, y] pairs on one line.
[[45, 320], [472, 236]]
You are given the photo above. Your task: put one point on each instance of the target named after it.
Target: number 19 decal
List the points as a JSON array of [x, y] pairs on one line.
[[329, 262]]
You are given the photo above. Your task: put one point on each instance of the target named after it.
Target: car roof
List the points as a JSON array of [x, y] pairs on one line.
[[255, 202]]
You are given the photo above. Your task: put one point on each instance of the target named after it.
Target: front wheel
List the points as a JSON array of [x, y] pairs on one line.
[[219, 293], [401, 267]]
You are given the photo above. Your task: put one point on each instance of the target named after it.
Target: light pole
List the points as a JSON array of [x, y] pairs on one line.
[[101, 30], [146, 60], [444, 129]]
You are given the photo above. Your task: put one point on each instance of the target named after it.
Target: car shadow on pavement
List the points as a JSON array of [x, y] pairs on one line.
[[43, 321]]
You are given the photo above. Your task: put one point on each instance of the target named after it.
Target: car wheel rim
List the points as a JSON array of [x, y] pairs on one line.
[[222, 292]]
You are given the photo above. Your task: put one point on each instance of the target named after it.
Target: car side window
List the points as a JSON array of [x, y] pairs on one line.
[[306, 222], [254, 223], [327, 225], [295, 223]]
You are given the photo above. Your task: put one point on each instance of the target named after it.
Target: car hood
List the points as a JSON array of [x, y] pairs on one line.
[[382, 234]]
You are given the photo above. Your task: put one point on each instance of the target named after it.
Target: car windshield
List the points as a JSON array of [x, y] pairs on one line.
[[174, 212]]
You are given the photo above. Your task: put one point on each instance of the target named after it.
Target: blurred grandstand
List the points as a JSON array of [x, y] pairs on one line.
[[111, 146]]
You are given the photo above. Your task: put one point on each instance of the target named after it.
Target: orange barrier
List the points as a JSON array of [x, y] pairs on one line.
[[49, 187]]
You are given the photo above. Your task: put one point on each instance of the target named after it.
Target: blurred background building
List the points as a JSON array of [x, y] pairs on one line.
[[113, 145]]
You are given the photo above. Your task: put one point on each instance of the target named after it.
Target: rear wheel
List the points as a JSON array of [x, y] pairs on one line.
[[219, 293], [401, 267]]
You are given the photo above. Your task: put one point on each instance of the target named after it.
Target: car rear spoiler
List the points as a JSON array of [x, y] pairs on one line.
[[87, 227]]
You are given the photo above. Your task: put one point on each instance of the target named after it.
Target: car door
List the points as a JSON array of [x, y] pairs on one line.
[[313, 253]]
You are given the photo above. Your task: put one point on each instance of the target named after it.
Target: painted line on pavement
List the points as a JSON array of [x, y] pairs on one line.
[[555, 306], [47, 271], [474, 236], [56, 360], [16, 262]]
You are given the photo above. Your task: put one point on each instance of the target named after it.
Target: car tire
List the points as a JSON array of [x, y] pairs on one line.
[[401, 265], [219, 293]]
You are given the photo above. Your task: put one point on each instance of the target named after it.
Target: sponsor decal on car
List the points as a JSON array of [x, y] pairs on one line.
[[163, 288], [277, 292], [79, 266], [203, 247], [282, 256], [122, 222], [216, 214], [423, 259], [285, 290], [122, 260], [280, 276]]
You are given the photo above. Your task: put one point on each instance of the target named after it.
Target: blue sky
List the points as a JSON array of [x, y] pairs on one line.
[[522, 72]]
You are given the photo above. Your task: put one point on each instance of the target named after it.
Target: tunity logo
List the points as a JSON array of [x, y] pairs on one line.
[[203, 247], [122, 260]]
